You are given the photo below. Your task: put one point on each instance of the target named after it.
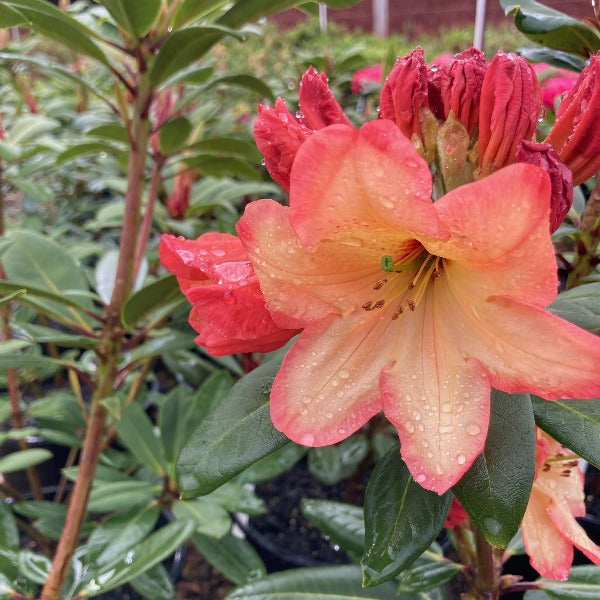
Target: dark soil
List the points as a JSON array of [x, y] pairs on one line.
[[283, 537]]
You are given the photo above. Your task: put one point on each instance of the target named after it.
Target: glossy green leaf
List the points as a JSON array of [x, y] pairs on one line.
[[238, 498], [9, 17], [249, 11], [40, 334], [17, 461], [110, 131], [401, 519], [583, 584], [9, 534], [173, 135], [343, 524], [87, 148], [247, 82], [234, 557], [189, 10], [27, 128], [12, 296], [495, 490], [211, 519], [121, 495], [574, 423], [321, 583], [274, 464], [227, 146], [183, 48], [134, 16], [216, 166], [580, 306], [40, 509], [551, 27], [119, 533], [149, 298], [556, 58], [136, 433], [39, 262], [428, 574], [153, 550], [58, 25], [234, 435], [331, 464], [154, 584], [35, 567], [166, 340]]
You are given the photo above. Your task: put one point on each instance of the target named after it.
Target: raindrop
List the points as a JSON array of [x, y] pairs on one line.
[[344, 374], [493, 526], [420, 478], [446, 428], [229, 298], [409, 427], [473, 429], [308, 439], [461, 458], [218, 252]]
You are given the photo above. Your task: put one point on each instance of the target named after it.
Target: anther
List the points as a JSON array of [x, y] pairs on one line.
[[411, 304], [379, 304], [435, 274], [380, 284], [397, 313], [368, 306], [411, 285], [565, 474]]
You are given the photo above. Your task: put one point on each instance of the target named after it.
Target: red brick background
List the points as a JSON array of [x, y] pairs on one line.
[[413, 17]]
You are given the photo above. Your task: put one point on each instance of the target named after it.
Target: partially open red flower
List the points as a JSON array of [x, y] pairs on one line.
[[576, 131], [549, 527], [509, 111], [229, 309], [363, 78], [279, 134], [408, 306]]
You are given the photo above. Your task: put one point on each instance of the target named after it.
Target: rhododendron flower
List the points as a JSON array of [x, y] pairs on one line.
[[178, 200], [217, 278], [457, 515], [554, 82], [509, 110], [549, 527], [279, 134], [410, 307], [561, 179], [364, 78], [576, 133]]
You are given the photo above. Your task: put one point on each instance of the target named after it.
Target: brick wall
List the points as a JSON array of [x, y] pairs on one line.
[[419, 16]]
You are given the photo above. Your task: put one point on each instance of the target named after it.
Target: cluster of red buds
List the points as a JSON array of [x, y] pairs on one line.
[[466, 116]]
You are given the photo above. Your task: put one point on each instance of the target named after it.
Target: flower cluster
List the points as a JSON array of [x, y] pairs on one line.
[[414, 257]]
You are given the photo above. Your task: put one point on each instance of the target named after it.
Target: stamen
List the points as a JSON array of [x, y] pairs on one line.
[[397, 313], [379, 303], [411, 304], [380, 284], [367, 306]]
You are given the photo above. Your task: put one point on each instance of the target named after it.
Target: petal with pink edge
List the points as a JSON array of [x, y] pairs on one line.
[[437, 398], [353, 183], [327, 386], [527, 349], [551, 555], [572, 531], [492, 217]]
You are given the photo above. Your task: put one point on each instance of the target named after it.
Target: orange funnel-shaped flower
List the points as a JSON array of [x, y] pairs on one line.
[[407, 306], [549, 527]]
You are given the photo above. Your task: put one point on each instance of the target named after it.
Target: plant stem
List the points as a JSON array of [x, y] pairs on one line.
[[487, 569]]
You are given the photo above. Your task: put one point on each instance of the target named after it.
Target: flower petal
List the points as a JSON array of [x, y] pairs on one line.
[[492, 217], [327, 385], [527, 349], [572, 531], [551, 555], [303, 285], [356, 184], [437, 398]]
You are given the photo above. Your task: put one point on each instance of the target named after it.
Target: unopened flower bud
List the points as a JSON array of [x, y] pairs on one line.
[[457, 84], [576, 131], [509, 111], [404, 94], [453, 150], [561, 180]]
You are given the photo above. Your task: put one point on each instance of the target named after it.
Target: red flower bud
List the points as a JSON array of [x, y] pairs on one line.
[[561, 179], [457, 83], [279, 134], [510, 108], [576, 131], [179, 199], [457, 515], [217, 278], [404, 94], [318, 106]]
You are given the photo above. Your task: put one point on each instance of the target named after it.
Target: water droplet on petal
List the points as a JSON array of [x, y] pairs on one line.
[[229, 298], [344, 374], [409, 427], [473, 429], [307, 439], [420, 478], [461, 459]]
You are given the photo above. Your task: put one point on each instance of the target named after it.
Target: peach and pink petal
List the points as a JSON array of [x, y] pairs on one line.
[[528, 349], [327, 386], [358, 184], [303, 285], [565, 522], [490, 218], [550, 553], [437, 398]]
